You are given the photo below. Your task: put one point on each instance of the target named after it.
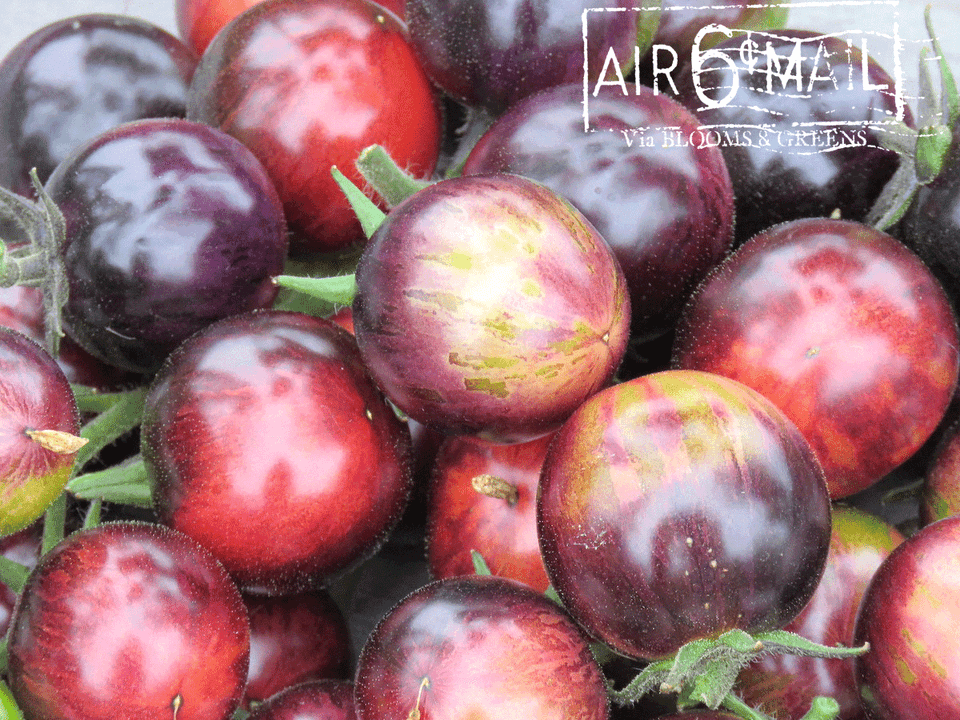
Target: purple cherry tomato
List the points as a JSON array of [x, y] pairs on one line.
[[171, 225]]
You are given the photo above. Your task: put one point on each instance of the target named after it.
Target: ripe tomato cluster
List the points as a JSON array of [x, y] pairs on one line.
[[426, 360]]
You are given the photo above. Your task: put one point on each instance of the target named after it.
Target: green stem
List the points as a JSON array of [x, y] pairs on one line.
[[54, 522]]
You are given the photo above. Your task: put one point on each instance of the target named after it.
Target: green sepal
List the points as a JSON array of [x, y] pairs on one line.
[[650, 679], [933, 144], [949, 95], [369, 215], [781, 642], [127, 483], [648, 22], [8, 704], [13, 574], [480, 566], [54, 524], [123, 415], [338, 290], [386, 178]]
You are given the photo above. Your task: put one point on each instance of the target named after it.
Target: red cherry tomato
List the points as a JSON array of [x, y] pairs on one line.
[[308, 84]]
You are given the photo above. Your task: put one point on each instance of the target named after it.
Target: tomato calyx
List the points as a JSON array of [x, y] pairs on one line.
[[704, 671], [38, 261], [391, 183], [923, 151]]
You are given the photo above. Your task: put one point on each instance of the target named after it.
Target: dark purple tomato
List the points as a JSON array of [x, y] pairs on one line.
[[785, 685], [128, 620], [844, 329], [931, 226], [940, 494], [478, 648], [35, 401], [909, 615], [171, 225], [677, 506], [316, 700], [488, 305], [491, 55], [796, 139], [664, 205], [78, 77], [267, 442], [22, 547], [483, 497], [308, 84], [293, 639]]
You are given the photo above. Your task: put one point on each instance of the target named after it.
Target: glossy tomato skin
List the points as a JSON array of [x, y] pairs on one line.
[[120, 621], [170, 226], [460, 518], [931, 226], [198, 21], [488, 306], [834, 162], [844, 329], [478, 647], [316, 700], [21, 309], [341, 76], [785, 685], [940, 493], [22, 547], [664, 205], [492, 55], [267, 442], [293, 639], [78, 77], [677, 506], [909, 615], [34, 395]]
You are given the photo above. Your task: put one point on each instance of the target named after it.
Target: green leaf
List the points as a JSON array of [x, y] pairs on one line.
[[127, 483], [369, 215], [13, 574], [92, 518], [386, 178], [338, 290]]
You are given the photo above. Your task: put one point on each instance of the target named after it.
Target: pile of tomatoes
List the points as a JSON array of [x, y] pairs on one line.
[[432, 361]]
